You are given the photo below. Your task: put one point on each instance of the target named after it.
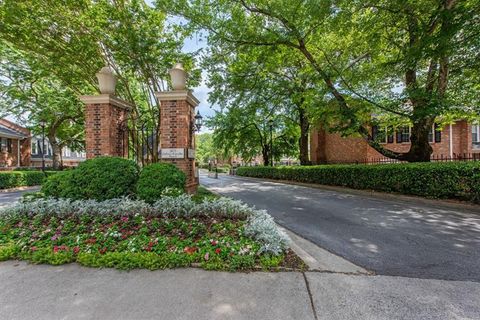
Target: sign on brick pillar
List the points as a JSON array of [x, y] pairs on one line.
[[177, 145], [106, 131]]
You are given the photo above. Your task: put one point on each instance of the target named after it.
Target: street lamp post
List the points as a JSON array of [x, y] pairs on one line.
[[196, 125], [270, 123], [42, 124]]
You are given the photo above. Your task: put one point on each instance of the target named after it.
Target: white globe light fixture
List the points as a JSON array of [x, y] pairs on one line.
[[178, 77], [107, 80]]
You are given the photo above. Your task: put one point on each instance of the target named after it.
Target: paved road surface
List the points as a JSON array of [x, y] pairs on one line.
[[10, 197], [388, 237]]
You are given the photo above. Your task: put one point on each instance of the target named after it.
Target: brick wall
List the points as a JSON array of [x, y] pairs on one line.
[[331, 147], [176, 117], [103, 130]]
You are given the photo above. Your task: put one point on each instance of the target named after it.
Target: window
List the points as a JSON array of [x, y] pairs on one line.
[[379, 134], [67, 153], [403, 134], [3, 144], [476, 134], [435, 135], [382, 134], [9, 146], [34, 147]]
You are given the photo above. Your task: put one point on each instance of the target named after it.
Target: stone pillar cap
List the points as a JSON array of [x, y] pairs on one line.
[[106, 99], [178, 95]]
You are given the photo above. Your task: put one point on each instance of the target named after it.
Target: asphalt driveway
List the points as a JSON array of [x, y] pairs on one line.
[[388, 237], [8, 197]]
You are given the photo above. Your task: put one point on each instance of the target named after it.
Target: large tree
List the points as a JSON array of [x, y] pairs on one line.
[[274, 75], [256, 128], [38, 99], [71, 40], [394, 57]]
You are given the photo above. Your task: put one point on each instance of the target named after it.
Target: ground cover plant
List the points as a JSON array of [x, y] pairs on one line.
[[454, 180], [216, 234]]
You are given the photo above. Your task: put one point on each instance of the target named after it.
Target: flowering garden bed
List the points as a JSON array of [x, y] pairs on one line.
[[217, 234]]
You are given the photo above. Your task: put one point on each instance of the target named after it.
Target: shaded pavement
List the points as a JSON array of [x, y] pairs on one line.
[[389, 237]]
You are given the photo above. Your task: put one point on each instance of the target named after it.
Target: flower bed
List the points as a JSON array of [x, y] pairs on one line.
[[219, 234]]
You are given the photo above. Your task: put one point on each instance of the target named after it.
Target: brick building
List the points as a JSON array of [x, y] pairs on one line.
[[458, 140], [18, 148], [14, 145]]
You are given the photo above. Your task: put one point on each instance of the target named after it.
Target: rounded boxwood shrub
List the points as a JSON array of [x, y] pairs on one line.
[[100, 179], [156, 178]]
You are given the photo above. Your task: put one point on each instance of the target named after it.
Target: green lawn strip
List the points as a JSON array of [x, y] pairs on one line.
[[128, 242]]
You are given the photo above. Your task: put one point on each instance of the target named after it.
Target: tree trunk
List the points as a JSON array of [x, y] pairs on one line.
[[266, 155], [303, 140], [420, 148], [56, 151]]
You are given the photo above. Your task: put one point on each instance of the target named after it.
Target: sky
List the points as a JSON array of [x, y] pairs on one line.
[[202, 91], [193, 44]]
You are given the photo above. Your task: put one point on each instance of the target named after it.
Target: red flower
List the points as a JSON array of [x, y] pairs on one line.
[[189, 250], [218, 250], [124, 219], [213, 242], [103, 250], [76, 249], [33, 248], [91, 241]]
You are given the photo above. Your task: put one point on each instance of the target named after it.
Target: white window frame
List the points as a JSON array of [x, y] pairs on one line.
[[476, 128], [476, 132], [432, 131], [409, 134], [34, 147]]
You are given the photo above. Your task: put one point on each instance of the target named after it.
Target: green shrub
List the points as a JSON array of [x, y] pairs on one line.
[[157, 177], [458, 180], [100, 179], [13, 179]]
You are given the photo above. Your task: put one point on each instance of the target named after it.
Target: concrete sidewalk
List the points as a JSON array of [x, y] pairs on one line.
[[74, 292]]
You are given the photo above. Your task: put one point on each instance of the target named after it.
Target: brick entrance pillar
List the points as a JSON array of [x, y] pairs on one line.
[[177, 144], [106, 131]]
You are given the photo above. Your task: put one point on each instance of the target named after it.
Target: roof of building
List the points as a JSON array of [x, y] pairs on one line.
[[10, 133]]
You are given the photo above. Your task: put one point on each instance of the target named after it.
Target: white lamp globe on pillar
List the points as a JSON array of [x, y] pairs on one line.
[[178, 76], [106, 80]]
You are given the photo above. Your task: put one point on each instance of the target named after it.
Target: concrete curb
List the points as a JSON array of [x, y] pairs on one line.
[[319, 259]]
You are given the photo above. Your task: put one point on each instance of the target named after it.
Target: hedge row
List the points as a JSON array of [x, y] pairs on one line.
[[455, 180], [13, 179]]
